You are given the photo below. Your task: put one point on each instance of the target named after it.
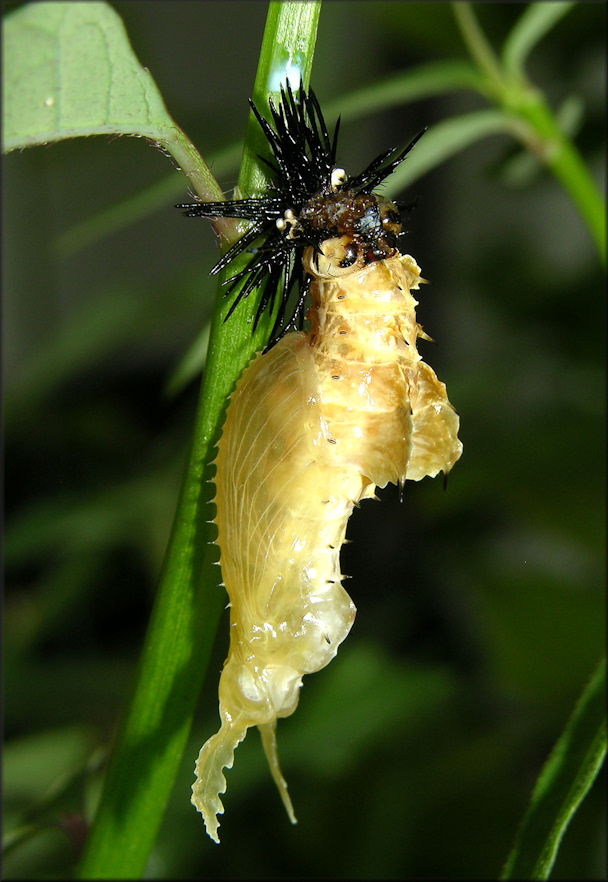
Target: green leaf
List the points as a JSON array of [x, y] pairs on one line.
[[565, 779], [424, 81], [38, 771], [69, 70], [446, 139], [190, 364], [36, 767], [536, 20]]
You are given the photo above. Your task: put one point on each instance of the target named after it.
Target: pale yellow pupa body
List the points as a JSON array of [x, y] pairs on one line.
[[313, 426]]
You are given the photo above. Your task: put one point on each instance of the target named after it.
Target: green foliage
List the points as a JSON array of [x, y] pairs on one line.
[[487, 609], [70, 72], [564, 781]]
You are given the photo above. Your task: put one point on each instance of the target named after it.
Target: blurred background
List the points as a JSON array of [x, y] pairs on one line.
[[481, 610]]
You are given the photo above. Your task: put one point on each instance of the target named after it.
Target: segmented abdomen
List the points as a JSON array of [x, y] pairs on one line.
[[281, 514], [312, 427]]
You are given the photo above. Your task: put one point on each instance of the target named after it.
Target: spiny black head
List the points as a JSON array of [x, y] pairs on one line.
[[310, 201]]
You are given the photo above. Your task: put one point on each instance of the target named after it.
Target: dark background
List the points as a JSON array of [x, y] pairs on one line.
[[480, 608]]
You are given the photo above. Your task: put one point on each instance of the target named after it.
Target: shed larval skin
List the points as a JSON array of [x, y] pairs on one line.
[[313, 426]]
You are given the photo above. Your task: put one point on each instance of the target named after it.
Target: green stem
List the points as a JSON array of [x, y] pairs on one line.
[[534, 122], [150, 743], [565, 779], [475, 39], [545, 138], [192, 165]]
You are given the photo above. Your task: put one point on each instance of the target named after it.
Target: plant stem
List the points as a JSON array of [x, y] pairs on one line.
[[478, 46], [561, 156], [150, 743], [565, 779], [534, 122]]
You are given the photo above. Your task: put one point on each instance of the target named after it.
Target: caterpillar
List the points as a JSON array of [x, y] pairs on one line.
[[315, 423]]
